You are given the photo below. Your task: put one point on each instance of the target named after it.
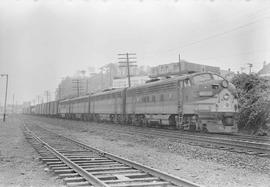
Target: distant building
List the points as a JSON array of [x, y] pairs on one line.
[[265, 71], [79, 84], [185, 67], [134, 81], [70, 87]]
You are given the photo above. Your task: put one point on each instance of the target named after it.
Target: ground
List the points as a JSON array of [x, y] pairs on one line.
[[19, 165], [204, 166]]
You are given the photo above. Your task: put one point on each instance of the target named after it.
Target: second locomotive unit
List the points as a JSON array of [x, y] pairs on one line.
[[196, 102]]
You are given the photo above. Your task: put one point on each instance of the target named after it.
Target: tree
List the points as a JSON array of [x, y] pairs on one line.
[[254, 101]]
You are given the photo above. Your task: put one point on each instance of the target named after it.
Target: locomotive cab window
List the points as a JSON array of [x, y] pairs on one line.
[[200, 79], [219, 78], [187, 83]]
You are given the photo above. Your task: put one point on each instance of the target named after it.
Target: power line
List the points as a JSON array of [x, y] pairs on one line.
[[224, 32], [216, 35], [236, 54]]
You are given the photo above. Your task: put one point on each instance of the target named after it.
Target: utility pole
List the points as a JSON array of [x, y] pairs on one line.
[[86, 85], [127, 62], [13, 104], [179, 64], [4, 117], [38, 99], [47, 93], [102, 69], [59, 92], [77, 85], [250, 66]]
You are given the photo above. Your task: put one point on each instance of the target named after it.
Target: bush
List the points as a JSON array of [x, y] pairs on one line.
[[254, 101]]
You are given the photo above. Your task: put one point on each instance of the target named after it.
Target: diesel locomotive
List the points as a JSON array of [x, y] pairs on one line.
[[203, 102]]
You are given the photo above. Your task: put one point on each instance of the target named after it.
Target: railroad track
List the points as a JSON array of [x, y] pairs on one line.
[[81, 165], [232, 145], [254, 147], [248, 138]]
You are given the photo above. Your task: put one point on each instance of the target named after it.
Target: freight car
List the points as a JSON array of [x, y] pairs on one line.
[[196, 102]]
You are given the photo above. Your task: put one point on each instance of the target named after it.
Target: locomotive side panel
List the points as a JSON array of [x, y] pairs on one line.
[[153, 103], [63, 109], [107, 106], [79, 105]]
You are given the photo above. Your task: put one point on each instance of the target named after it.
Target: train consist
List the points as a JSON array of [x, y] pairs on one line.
[[196, 102]]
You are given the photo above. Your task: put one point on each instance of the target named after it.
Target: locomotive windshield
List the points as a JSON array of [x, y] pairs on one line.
[[200, 79], [216, 77]]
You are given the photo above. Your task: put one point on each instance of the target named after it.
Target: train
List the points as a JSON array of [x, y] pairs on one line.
[[202, 102]]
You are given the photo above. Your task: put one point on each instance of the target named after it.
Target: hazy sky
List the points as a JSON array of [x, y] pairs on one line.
[[44, 40]]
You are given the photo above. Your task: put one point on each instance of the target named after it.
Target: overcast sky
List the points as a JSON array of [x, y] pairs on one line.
[[42, 41]]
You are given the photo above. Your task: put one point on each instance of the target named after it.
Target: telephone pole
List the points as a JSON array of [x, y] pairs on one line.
[[38, 99], [179, 64], [13, 103], [47, 94], [250, 66], [77, 83], [127, 61], [4, 117], [102, 69], [59, 92]]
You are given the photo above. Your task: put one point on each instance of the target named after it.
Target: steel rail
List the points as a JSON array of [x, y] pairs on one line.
[[235, 137], [88, 176], [262, 148], [257, 147], [162, 175]]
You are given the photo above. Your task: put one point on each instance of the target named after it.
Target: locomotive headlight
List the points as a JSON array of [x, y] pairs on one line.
[[226, 97], [224, 84]]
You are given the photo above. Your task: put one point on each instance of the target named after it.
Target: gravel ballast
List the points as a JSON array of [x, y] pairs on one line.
[[19, 164], [205, 166]]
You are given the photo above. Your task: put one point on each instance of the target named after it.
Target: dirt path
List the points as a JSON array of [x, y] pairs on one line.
[[19, 165]]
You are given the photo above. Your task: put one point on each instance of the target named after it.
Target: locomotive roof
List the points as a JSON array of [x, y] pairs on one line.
[[182, 77], [74, 98], [108, 92], [173, 79]]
